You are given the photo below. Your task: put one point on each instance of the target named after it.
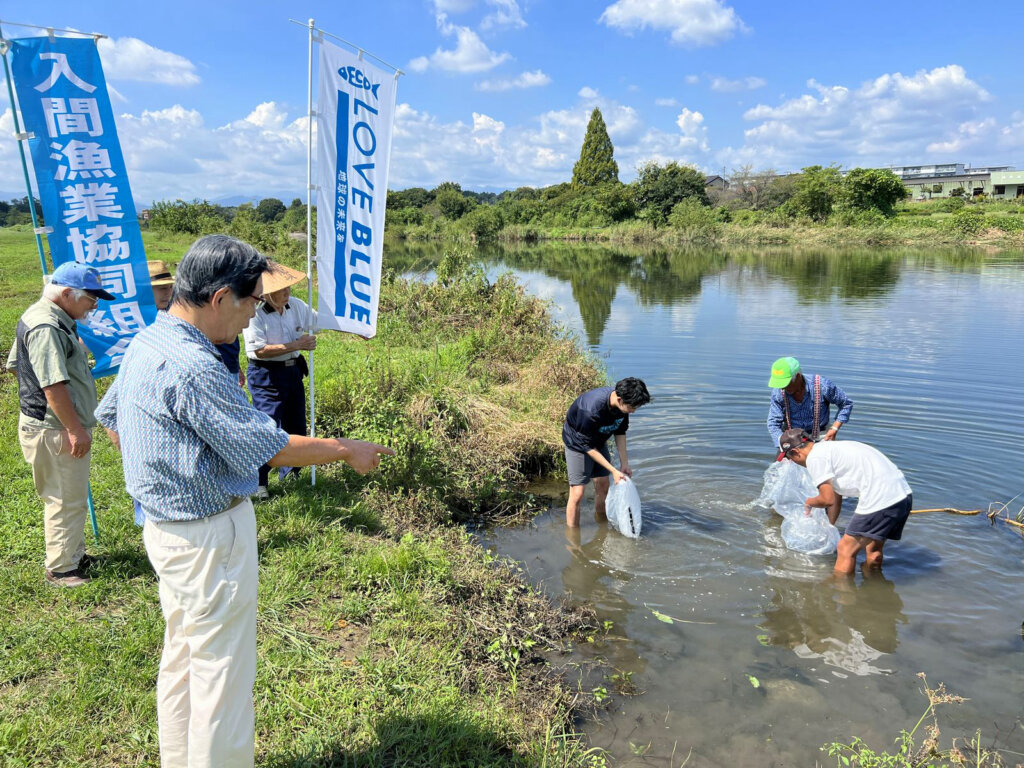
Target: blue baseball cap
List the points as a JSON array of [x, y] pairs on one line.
[[74, 275]]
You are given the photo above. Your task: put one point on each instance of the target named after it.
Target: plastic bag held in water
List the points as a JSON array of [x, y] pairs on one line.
[[811, 534], [623, 508], [786, 486]]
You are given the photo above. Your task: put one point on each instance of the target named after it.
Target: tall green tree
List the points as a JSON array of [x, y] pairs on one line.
[[817, 190], [597, 164]]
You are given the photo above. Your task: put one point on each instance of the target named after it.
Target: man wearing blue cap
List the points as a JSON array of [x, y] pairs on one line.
[[57, 398], [801, 401]]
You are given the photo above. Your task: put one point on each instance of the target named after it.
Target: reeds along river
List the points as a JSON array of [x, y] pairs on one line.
[[930, 349]]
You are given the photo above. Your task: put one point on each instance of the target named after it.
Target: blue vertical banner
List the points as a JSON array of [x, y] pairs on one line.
[[355, 120], [83, 184]]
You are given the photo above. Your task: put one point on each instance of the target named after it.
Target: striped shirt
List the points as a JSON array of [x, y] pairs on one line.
[[802, 413], [190, 440]]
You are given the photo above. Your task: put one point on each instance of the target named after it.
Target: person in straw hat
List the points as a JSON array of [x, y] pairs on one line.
[[274, 341], [162, 280]]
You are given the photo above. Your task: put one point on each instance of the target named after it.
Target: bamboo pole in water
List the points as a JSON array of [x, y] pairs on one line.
[[947, 509], [1008, 520]]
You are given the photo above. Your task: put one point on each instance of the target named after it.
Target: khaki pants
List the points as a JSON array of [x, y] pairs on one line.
[[208, 574], [62, 482]]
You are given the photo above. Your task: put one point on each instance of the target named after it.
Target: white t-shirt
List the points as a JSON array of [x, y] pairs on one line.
[[268, 326], [856, 469]]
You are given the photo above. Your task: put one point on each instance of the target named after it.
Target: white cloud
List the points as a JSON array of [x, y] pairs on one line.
[[128, 58], [725, 85], [692, 22], [692, 79], [669, 102], [506, 14], [174, 153], [968, 135], [470, 54], [533, 79], [489, 153], [984, 134], [892, 118], [930, 115]]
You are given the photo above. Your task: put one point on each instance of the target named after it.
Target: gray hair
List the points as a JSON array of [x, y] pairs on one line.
[[52, 291], [214, 262]]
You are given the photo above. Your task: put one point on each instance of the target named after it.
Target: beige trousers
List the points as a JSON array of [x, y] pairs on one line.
[[208, 573], [62, 482]]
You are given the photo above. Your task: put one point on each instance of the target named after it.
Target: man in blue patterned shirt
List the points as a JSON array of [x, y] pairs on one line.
[[192, 445], [797, 399]]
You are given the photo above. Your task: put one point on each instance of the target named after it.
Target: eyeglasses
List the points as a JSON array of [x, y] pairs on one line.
[[260, 301]]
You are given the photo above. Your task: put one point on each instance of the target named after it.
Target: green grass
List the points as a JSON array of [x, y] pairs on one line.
[[387, 636]]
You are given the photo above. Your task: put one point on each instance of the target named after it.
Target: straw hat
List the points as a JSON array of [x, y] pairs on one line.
[[159, 273], [279, 276]]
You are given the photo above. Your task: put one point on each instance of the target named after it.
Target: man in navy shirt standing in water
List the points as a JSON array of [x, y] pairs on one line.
[[590, 421]]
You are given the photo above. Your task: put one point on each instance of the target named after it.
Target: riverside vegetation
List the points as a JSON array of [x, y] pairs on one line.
[[387, 635], [665, 206]]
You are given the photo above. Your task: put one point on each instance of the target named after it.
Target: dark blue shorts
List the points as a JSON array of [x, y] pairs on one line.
[[884, 524]]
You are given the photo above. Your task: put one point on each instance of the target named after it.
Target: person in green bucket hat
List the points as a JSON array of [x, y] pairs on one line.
[[804, 401]]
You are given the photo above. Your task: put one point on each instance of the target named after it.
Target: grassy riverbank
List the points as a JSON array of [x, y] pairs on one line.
[[387, 636]]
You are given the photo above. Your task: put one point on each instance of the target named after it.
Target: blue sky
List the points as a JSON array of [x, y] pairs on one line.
[[210, 96]]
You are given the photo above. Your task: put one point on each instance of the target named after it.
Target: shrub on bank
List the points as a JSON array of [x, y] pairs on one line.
[[1006, 222], [966, 222], [695, 221]]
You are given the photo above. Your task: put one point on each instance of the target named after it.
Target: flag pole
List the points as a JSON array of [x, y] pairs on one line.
[[36, 228], [309, 236], [22, 138]]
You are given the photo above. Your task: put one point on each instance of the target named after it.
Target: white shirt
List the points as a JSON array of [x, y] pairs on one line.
[[856, 469], [272, 327]]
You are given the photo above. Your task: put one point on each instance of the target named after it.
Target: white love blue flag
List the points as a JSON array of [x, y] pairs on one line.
[[355, 116]]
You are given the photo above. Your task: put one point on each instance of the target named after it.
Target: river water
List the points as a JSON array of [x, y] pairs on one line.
[[929, 347]]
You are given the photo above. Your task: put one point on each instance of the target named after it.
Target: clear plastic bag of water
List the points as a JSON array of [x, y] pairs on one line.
[[623, 508], [786, 486], [811, 534]]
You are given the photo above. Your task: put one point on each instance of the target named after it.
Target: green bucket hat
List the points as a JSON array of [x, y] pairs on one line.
[[783, 371]]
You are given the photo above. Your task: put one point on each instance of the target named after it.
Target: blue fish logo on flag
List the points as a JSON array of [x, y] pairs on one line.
[[356, 78]]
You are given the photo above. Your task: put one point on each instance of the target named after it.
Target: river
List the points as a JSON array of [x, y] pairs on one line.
[[929, 347]]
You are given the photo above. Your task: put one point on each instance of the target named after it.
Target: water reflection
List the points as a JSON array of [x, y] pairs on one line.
[[849, 625], [597, 572], [595, 274], [817, 276], [906, 334], [659, 277]]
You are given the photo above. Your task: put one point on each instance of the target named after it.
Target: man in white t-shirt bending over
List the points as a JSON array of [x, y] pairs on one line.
[[849, 468]]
